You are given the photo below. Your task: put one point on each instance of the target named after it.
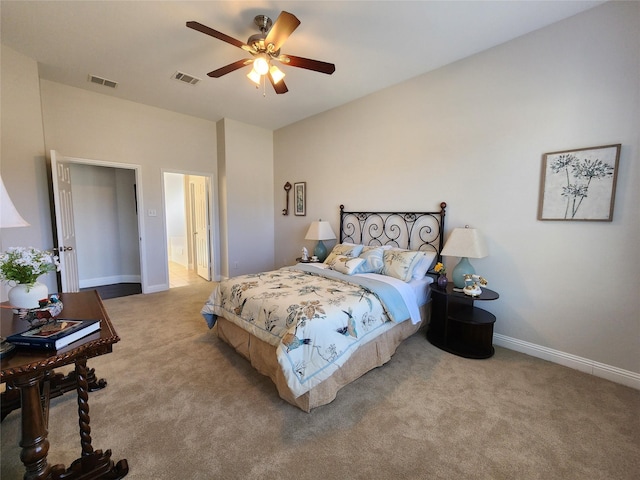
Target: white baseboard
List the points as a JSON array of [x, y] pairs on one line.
[[618, 375], [155, 288], [112, 280]]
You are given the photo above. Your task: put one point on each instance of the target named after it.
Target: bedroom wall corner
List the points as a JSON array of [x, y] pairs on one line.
[[222, 200]]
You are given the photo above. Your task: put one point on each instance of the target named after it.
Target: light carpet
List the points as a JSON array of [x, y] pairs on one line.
[[180, 404]]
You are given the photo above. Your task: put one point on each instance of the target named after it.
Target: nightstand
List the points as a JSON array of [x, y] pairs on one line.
[[459, 327]]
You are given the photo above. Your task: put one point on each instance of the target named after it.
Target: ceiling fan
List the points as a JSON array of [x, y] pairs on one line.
[[265, 47]]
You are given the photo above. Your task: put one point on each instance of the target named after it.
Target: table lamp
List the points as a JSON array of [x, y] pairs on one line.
[[320, 230], [464, 243]]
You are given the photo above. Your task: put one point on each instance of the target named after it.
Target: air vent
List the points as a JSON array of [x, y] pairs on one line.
[[186, 78], [103, 81]]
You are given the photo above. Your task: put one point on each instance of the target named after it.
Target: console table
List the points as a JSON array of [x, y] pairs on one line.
[[26, 369], [459, 327]]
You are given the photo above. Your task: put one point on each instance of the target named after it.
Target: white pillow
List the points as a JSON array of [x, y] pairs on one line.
[[347, 249], [346, 265], [423, 267], [401, 264]]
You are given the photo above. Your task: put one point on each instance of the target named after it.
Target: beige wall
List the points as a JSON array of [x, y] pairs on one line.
[[473, 134], [22, 162], [246, 229]]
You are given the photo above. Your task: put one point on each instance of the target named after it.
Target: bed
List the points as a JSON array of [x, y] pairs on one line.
[[315, 327]]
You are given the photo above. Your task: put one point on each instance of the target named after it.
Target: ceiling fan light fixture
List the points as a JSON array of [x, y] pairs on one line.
[[264, 47], [276, 74], [261, 65]]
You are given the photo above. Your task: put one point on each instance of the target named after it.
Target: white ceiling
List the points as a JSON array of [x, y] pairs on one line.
[[374, 44]]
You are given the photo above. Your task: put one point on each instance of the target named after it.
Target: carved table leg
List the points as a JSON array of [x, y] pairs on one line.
[[92, 464], [59, 385], [34, 443], [83, 406]]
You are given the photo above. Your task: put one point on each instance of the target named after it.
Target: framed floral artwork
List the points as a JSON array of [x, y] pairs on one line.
[[579, 185], [300, 198]]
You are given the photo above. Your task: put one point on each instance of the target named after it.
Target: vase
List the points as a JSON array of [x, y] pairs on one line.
[[28, 296], [442, 281]]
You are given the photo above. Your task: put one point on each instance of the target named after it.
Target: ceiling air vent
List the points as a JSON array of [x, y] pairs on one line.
[[183, 77], [103, 81]]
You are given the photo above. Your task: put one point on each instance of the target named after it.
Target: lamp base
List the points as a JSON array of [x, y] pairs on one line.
[[320, 251], [460, 270]]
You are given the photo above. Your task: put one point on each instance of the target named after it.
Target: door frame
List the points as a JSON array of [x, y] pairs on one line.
[[214, 232], [138, 172]]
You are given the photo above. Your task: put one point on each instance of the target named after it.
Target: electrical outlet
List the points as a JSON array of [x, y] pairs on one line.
[[152, 212], [236, 265]]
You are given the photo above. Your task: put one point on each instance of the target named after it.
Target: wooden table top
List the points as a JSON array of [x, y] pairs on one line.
[[81, 305]]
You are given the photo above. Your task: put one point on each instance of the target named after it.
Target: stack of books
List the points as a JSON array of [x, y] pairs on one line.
[[56, 335]]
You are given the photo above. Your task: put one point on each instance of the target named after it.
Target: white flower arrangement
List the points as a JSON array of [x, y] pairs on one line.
[[25, 264]]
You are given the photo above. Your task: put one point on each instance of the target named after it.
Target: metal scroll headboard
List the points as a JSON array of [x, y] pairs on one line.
[[410, 230]]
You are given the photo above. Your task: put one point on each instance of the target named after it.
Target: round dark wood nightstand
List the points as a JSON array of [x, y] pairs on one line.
[[457, 326]]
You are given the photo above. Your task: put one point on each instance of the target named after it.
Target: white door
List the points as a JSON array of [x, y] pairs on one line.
[[200, 218], [65, 227]]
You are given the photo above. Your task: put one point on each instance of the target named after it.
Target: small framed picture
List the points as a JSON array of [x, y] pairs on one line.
[[579, 184], [300, 198]]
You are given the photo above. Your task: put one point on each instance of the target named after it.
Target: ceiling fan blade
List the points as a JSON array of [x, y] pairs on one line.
[[216, 34], [229, 68], [279, 87], [285, 24], [309, 64]]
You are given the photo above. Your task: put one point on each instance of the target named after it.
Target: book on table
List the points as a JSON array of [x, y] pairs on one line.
[[56, 335]]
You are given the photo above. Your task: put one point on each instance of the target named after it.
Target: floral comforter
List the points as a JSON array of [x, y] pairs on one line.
[[315, 318]]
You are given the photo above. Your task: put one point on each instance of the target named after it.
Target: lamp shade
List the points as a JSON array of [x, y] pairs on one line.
[[276, 74], [9, 216], [254, 76], [320, 230], [465, 242]]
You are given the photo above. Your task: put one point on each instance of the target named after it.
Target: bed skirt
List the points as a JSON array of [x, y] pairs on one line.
[[372, 354]]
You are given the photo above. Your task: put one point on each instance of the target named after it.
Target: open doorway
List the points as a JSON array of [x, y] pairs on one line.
[[188, 229], [97, 225]]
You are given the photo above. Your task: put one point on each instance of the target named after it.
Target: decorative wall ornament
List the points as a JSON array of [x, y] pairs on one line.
[[287, 187], [579, 184], [300, 198]]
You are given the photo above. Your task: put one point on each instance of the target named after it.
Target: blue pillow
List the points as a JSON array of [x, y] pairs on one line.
[[373, 260]]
